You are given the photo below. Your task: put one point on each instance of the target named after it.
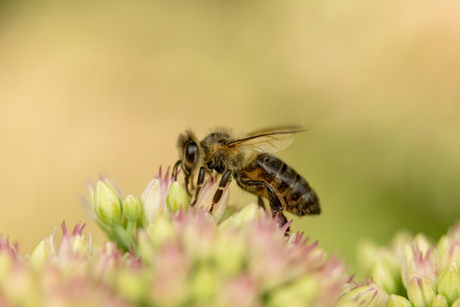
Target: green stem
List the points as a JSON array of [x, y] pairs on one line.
[[126, 238], [130, 227]]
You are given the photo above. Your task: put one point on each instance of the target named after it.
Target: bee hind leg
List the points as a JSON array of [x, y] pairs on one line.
[[275, 204]]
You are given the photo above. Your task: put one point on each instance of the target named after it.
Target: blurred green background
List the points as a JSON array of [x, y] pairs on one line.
[[91, 87]]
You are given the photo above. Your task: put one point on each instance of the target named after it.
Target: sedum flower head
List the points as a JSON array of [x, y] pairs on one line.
[[186, 259], [236, 263], [414, 270], [165, 253]]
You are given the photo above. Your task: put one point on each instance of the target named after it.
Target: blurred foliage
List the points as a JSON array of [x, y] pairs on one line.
[[89, 87]]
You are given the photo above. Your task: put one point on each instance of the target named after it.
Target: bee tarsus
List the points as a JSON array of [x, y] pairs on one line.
[[222, 184], [199, 185]]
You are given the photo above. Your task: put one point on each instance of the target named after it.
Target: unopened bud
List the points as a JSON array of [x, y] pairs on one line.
[[449, 283], [132, 208], [248, 214], [300, 293], [371, 295], [205, 284], [383, 276], [398, 301], [421, 292], [456, 303], [78, 247], [439, 301], [39, 255], [177, 197], [107, 204]]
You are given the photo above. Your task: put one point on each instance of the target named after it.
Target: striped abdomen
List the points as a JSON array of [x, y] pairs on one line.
[[293, 190]]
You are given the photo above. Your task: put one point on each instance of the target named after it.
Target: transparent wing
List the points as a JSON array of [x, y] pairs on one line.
[[268, 142]]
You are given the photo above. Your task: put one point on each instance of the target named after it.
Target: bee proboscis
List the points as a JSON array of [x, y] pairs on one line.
[[250, 162]]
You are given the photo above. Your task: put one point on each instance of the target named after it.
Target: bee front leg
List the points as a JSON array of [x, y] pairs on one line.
[[223, 182], [199, 185]]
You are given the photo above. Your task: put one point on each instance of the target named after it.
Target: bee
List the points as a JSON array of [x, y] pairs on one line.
[[250, 162]]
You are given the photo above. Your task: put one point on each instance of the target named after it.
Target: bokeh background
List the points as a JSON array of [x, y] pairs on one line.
[[92, 87]]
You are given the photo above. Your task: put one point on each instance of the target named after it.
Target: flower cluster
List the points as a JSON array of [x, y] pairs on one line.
[[412, 269], [118, 215], [167, 254], [73, 273]]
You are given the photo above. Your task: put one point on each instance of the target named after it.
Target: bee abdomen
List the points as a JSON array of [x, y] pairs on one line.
[[301, 199], [293, 190]]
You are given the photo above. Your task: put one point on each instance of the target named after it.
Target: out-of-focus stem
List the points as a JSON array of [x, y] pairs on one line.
[[126, 238], [130, 227]]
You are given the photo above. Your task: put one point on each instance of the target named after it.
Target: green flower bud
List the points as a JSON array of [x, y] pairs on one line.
[[439, 301], [249, 213], [449, 283], [177, 197], [300, 293], [107, 204], [229, 252], [146, 249], [5, 265], [456, 303], [398, 301], [161, 231], [367, 252], [39, 255], [133, 285], [421, 292], [44, 251], [78, 246], [383, 276], [370, 295], [132, 208], [422, 242], [205, 284]]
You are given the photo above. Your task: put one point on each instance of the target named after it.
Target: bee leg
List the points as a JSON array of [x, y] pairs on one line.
[[192, 182], [199, 185], [175, 170], [223, 182], [260, 202], [275, 204]]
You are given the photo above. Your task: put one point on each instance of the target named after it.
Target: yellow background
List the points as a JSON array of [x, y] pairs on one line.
[[94, 87]]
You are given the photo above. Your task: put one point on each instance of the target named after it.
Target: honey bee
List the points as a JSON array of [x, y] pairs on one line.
[[250, 162]]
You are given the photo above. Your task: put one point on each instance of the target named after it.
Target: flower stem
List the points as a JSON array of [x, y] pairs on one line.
[[126, 238], [130, 227]]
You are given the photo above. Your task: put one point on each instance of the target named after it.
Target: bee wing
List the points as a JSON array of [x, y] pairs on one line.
[[268, 142]]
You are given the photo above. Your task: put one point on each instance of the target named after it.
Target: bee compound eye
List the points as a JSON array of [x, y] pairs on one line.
[[190, 152]]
